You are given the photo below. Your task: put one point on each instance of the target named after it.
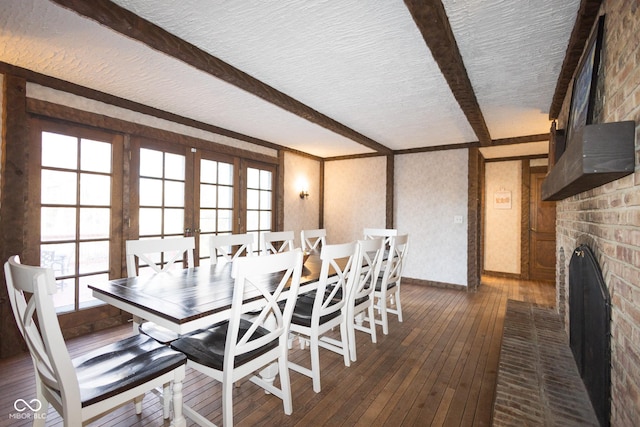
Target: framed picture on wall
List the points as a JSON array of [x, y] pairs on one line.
[[502, 199], [585, 85]]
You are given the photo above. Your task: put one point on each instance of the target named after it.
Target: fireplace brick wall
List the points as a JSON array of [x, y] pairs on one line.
[[607, 218]]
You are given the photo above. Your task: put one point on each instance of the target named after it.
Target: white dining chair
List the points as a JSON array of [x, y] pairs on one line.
[[360, 304], [277, 241], [387, 293], [386, 233], [318, 312], [313, 240], [159, 256], [84, 388], [234, 349], [230, 246]]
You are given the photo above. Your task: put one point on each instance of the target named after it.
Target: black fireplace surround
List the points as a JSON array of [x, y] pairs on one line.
[[590, 329]]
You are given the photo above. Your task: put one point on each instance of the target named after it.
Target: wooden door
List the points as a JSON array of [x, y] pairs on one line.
[[542, 231]]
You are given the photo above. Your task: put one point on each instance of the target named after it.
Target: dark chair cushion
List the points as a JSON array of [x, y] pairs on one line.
[[359, 301], [379, 285], [302, 313], [120, 366], [206, 346]]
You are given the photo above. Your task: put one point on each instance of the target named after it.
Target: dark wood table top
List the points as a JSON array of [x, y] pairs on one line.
[[187, 299]]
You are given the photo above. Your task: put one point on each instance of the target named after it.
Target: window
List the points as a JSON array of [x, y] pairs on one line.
[[259, 202], [77, 207]]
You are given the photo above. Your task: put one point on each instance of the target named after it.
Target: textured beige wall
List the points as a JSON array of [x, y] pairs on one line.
[[502, 226], [430, 190], [301, 214], [355, 197]]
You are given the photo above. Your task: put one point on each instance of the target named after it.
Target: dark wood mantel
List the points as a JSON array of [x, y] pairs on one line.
[[603, 153]]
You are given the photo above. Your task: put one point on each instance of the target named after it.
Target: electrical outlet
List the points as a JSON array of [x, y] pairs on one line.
[[457, 219]]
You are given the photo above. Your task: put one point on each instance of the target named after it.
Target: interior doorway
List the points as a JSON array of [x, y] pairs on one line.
[[542, 230]]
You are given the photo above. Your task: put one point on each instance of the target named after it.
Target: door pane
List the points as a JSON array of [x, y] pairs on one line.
[[162, 194], [58, 188], [150, 221], [57, 224], [59, 151], [94, 223], [75, 210], [95, 189], [151, 163], [95, 156], [216, 204], [259, 202], [150, 192], [173, 193]]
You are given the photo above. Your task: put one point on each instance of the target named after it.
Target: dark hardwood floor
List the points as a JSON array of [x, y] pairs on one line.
[[436, 368]]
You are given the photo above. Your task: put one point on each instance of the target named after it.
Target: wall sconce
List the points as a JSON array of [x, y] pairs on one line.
[[303, 185]]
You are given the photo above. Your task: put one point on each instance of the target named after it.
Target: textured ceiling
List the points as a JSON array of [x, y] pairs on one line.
[[367, 68]]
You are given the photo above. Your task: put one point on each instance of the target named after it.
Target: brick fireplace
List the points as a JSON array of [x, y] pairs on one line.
[[607, 218]]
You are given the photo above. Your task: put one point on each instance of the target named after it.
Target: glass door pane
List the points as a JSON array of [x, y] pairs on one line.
[[161, 195], [259, 202], [75, 214], [216, 202]]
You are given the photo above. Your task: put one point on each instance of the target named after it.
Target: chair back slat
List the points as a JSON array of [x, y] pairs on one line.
[[231, 246], [367, 265], [395, 260], [313, 240], [277, 241], [254, 276], [337, 261], [159, 254], [386, 233]]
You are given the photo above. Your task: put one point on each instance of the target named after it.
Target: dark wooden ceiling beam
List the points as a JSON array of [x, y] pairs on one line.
[[133, 26], [65, 86], [522, 139], [587, 14], [433, 23]]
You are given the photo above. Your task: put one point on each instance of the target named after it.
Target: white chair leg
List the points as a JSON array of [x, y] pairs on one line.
[[285, 384], [40, 414], [138, 402], [384, 315], [352, 338], [398, 306], [166, 401], [372, 324], [345, 343], [227, 403], [315, 363]]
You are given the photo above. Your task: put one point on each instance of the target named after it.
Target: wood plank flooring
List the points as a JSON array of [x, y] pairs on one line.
[[437, 368]]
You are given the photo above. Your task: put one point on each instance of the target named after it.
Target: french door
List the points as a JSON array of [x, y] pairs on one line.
[[77, 189], [180, 190]]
